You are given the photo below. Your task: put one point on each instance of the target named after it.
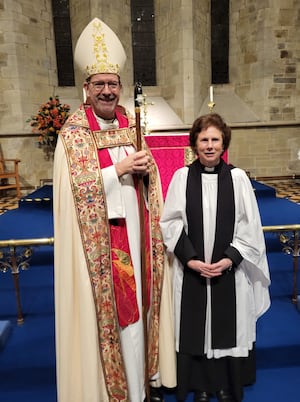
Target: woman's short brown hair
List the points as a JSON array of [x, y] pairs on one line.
[[205, 121]]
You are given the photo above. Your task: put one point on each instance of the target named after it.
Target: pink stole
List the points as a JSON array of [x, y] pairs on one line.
[[122, 268]]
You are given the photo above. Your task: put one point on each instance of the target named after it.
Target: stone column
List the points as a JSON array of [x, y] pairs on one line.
[[183, 54]]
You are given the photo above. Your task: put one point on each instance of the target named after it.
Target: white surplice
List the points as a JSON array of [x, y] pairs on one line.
[[251, 276]]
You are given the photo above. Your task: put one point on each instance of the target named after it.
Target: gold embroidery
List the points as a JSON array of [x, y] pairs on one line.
[[101, 54], [112, 138]]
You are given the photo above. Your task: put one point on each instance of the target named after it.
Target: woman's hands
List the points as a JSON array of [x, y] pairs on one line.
[[210, 270], [137, 163]]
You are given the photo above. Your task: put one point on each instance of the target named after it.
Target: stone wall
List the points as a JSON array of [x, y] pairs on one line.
[[270, 150], [264, 56], [28, 63], [264, 73]]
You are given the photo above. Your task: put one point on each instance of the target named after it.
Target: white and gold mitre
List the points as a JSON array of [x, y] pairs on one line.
[[99, 50]]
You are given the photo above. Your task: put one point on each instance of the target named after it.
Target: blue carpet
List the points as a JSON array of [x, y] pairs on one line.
[[262, 190], [278, 211], [27, 361], [32, 222], [273, 210]]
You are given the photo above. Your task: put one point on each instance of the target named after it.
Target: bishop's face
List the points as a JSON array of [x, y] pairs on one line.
[[104, 92], [209, 146]]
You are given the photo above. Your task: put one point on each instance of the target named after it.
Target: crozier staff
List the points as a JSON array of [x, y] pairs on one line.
[[140, 185]]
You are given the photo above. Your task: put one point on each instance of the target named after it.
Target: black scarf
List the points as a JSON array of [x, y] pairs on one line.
[[193, 306]]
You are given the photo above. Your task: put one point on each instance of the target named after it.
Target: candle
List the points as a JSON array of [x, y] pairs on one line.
[[83, 95], [211, 94]]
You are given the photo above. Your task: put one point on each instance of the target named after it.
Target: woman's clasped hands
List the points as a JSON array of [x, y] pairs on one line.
[[210, 270]]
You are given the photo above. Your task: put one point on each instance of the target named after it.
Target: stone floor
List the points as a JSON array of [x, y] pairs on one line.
[[7, 203], [286, 188]]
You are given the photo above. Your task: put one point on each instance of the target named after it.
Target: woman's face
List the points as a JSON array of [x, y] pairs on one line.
[[209, 146]]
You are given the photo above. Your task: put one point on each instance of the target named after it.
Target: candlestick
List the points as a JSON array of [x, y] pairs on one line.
[[211, 103], [211, 94]]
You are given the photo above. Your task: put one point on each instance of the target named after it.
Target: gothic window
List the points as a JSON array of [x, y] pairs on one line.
[[219, 41], [63, 42], [143, 41]]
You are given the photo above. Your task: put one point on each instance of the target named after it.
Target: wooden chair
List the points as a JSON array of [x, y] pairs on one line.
[[9, 175]]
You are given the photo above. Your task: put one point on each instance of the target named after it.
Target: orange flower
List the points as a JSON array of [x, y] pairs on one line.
[[48, 121]]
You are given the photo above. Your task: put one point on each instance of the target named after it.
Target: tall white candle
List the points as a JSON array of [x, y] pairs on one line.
[[83, 95], [211, 94]]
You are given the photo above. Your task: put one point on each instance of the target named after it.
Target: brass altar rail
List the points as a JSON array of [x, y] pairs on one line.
[[27, 242], [16, 260], [282, 228], [288, 237]]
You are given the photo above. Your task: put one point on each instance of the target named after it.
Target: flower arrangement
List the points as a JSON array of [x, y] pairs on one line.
[[48, 121]]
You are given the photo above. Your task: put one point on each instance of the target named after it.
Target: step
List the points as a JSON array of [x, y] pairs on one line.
[[42, 197]]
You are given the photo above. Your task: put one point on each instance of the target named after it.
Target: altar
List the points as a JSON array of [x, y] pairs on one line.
[[171, 152]]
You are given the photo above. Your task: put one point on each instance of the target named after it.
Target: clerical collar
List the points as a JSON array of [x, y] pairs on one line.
[[107, 124], [209, 169], [213, 169]]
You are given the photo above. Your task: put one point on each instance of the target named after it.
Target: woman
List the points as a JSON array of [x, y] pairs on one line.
[[211, 224]]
